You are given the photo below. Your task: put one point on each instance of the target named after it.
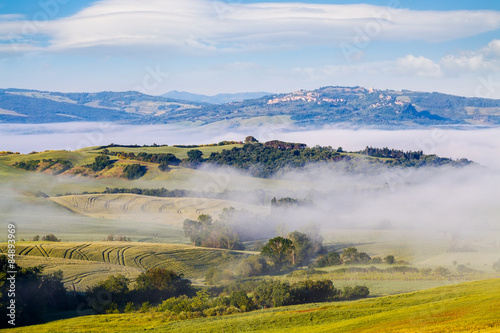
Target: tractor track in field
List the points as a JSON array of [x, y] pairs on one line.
[[23, 253], [137, 260], [108, 202], [106, 254], [163, 208], [75, 201], [45, 254], [78, 278], [79, 251], [144, 206], [89, 203], [40, 250], [121, 255], [125, 207]]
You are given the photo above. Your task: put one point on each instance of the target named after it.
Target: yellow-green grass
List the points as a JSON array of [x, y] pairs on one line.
[[177, 151], [468, 307], [78, 274], [421, 248], [191, 261], [168, 211]]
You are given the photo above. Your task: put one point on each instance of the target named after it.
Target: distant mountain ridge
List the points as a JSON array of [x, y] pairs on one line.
[[319, 107], [216, 99]]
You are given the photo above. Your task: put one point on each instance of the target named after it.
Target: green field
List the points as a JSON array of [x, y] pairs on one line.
[[154, 225], [468, 307]]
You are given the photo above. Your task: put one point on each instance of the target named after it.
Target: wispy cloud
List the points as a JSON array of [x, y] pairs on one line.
[[211, 25]]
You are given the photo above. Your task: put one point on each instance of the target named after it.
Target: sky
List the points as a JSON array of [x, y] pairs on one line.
[[210, 47]]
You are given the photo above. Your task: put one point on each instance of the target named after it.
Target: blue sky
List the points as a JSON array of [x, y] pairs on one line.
[[209, 47]]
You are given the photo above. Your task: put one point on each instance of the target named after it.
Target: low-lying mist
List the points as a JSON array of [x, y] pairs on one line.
[[446, 199]]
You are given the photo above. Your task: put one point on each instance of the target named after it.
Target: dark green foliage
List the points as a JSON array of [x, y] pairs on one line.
[[195, 155], [273, 293], [35, 295], [351, 293], [160, 283], [44, 164], [310, 291], [280, 251], [263, 160], [31, 165], [162, 159], [108, 293], [352, 256], [303, 247], [330, 259], [241, 300], [101, 162], [288, 202], [50, 238], [134, 171], [390, 259], [411, 158]]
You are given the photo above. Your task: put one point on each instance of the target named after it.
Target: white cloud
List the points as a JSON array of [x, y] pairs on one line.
[[485, 59], [214, 25], [419, 66]]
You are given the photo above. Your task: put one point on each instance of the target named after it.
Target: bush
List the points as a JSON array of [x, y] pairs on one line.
[[50, 238], [101, 162], [350, 293], [331, 259], [134, 171], [310, 291], [252, 266], [130, 307]]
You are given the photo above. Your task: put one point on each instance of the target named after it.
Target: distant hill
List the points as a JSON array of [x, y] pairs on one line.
[[216, 99], [323, 106]]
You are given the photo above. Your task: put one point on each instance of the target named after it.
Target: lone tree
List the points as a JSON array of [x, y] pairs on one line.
[[390, 259], [195, 156], [280, 250]]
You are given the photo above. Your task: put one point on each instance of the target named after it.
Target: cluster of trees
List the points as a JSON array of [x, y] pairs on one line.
[[152, 286], [288, 202], [44, 164], [285, 145], [351, 256], [294, 250], [163, 159], [46, 238], [205, 232], [392, 153], [100, 163], [221, 143], [177, 299], [134, 171], [36, 296], [115, 238], [411, 158], [263, 160]]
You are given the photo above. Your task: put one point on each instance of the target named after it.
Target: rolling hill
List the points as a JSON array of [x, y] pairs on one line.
[[468, 307], [323, 106]]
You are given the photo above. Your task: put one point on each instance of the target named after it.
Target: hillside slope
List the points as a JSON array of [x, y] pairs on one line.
[[468, 307], [327, 105]]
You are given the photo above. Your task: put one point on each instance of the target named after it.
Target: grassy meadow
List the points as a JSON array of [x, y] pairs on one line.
[[467, 307], [401, 301]]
